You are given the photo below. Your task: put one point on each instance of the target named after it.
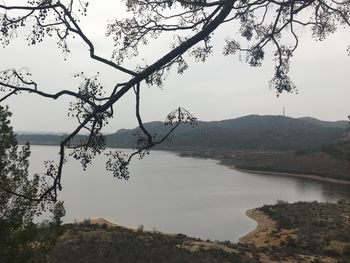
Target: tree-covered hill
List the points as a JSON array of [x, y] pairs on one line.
[[253, 132]]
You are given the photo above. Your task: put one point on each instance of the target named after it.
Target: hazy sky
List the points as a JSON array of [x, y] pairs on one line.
[[221, 88]]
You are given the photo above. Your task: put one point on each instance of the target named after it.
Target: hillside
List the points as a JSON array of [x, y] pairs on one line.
[[43, 139], [329, 162], [251, 132], [334, 124]]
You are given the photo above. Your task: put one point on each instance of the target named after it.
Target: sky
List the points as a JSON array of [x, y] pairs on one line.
[[221, 88]]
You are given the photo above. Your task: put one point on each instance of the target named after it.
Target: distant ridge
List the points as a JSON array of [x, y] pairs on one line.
[[252, 132], [333, 124]]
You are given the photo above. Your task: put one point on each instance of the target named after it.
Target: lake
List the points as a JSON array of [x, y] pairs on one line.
[[168, 193]]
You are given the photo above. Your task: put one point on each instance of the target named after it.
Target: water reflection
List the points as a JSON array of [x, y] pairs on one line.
[[181, 195], [334, 192]]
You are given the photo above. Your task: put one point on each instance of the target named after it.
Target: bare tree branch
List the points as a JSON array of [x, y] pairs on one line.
[[192, 23]]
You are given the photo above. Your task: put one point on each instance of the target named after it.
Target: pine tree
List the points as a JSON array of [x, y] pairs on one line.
[[21, 239]]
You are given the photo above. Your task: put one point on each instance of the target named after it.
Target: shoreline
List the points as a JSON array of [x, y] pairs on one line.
[[264, 225], [245, 239], [193, 246], [296, 175], [110, 223], [263, 172], [266, 234]]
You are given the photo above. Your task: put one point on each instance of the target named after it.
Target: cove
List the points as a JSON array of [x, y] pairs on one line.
[[165, 192]]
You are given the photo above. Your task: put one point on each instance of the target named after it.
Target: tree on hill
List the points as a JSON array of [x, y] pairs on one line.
[[263, 24], [21, 239]]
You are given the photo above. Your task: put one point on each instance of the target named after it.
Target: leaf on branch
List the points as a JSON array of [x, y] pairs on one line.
[[201, 53], [85, 154], [231, 47], [255, 56], [118, 164]]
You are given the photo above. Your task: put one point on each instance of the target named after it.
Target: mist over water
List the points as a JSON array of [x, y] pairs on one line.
[[168, 193]]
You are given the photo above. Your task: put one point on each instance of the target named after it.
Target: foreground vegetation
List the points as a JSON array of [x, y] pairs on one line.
[[101, 243], [319, 228], [22, 238]]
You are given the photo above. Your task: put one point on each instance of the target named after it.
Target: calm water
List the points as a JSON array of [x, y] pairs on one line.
[[181, 195]]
